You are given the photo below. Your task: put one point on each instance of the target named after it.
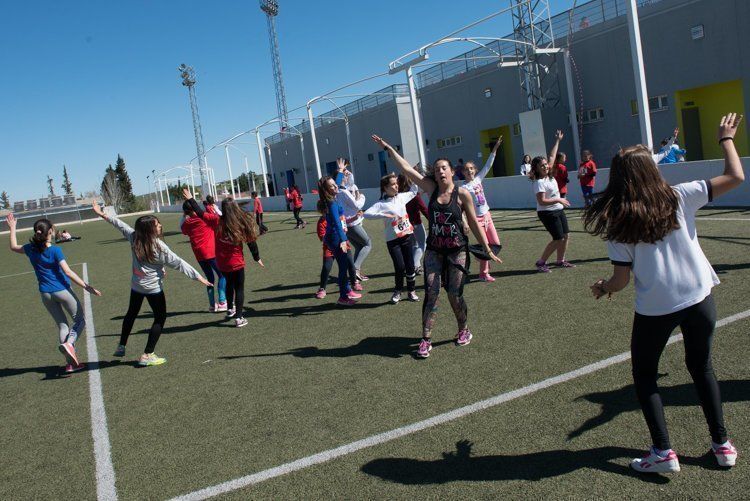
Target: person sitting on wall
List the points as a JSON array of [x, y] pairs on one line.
[[671, 150], [64, 236]]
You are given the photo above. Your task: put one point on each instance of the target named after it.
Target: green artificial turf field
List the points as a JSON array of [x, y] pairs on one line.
[[307, 376]]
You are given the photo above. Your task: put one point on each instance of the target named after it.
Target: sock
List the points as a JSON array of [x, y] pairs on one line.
[[726, 444], [661, 453]]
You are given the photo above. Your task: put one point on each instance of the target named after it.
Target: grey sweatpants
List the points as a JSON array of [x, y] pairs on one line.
[[362, 244], [57, 303]]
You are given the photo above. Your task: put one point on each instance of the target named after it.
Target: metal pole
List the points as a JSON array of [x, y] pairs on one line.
[[572, 106], [166, 189], [192, 179], [270, 169], [349, 143], [229, 166], [262, 159], [247, 173], [641, 92], [314, 140], [304, 163], [161, 195], [416, 116]]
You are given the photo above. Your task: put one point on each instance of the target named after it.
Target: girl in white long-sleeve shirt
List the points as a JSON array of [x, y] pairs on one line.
[[399, 233], [352, 201]]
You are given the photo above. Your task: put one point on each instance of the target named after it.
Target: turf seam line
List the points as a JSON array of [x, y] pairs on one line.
[[105, 472], [29, 272], [381, 438]]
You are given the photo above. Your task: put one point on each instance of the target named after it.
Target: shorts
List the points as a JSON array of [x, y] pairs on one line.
[[555, 222], [587, 190]]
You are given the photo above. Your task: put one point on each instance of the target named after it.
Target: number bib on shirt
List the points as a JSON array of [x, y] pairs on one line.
[[402, 226]]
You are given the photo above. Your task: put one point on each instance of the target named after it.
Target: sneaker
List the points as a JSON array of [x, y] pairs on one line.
[[320, 294], [361, 276], [150, 359], [425, 347], [542, 267], [345, 301], [230, 314], [240, 322], [70, 368], [221, 306], [486, 278], [120, 351], [396, 297], [654, 463], [463, 337], [357, 286], [418, 271], [412, 295], [725, 455], [564, 264], [69, 352], [353, 295]]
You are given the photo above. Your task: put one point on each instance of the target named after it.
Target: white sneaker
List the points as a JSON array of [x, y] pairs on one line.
[[654, 463], [412, 295], [725, 456], [396, 297], [240, 322], [230, 313]]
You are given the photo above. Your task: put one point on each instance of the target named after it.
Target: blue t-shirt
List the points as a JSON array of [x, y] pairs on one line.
[[47, 268]]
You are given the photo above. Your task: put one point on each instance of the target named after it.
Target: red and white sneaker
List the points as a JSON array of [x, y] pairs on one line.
[[654, 463], [463, 337], [353, 295], [221, 307], [346, 301], [320, 294], [726, 454], [69, 352], [425, 347], [486, 278], [357, 286], [70, 369]]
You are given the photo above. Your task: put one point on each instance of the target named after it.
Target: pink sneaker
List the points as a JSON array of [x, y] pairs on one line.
[[353, 295], [357, 286], [70, 368], [725, 455], [654, 463], [345, 301], [425, 347], [486, 278], [320, 294], [69, 352], [463, 337], [221, 306]]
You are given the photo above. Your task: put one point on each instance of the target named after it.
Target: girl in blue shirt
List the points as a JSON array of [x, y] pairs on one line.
[[54, 276]]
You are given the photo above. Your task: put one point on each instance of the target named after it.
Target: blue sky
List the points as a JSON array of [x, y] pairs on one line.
[[84, 81]]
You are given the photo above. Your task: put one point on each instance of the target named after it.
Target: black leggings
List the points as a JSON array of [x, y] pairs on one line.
[[158, 304], [236, 290], [299, 220], [402, 254], [259, 221], [650, 335]]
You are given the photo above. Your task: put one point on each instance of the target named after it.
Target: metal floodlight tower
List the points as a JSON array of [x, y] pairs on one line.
[[188, 80], [532, 27], [271, 8]]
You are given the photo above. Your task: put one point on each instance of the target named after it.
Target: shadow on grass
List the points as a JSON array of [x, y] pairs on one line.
[[616, 402], [52, 372], [728, 240], [317, 309], [723, 268], [389, 347], [169, 315], [218, 321], [310, 285], [461, 466]]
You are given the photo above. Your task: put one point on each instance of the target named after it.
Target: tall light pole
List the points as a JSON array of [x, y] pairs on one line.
[[271, 9], [229, 166], [641, 91], [188, 80]]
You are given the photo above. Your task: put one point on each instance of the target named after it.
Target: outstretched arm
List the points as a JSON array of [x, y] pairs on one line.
[[427, 185], [176, 262], [124, 228], [555, 147], [490, 159], [733, 175], [76, 279], [471, 217], [11, 220]]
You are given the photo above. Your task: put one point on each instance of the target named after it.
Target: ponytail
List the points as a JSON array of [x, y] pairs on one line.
[[42, 228]]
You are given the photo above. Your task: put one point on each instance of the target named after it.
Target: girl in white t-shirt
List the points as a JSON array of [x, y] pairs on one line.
[[550, 208], [399, 233], [525, 169], [650, 231]]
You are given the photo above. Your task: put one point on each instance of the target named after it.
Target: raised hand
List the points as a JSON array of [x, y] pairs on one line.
[[11, 220], [558, 135], [676, 132], [186, 194], [497, 144], [340, 164], [728, 125], [379, 141], [97, 210]]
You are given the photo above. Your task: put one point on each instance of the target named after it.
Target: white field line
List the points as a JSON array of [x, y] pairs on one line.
[[27, 272], [722, 219], [105, 472], [381, 438]]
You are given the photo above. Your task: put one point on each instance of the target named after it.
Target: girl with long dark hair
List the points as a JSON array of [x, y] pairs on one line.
[[150, 255], [446, 259], [54, 277], [650, 232]]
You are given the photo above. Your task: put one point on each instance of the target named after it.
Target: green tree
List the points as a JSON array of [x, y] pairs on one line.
[[126, 186], [4, 200], [51, 186], [67, 186]]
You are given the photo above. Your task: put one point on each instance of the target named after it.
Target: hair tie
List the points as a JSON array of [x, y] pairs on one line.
[[39, 231]]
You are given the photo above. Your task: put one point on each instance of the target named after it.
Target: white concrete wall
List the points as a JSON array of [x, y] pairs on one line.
[[515, 192]]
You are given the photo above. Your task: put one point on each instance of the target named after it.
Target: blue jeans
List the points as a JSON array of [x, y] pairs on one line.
[[342, 259], [209, 266]]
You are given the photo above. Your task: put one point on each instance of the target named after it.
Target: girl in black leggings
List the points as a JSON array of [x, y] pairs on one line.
[[650, 231]]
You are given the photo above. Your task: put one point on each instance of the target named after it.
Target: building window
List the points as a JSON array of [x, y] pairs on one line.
[[488, 92], [516, 129], [328, 141], [449, 142], [656, 103], [591, 116], [370, 157], [286, 152]]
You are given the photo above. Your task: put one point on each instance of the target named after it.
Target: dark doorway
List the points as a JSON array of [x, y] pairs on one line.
[[332, 169], [691, 125], [382, 155], [290, 178]]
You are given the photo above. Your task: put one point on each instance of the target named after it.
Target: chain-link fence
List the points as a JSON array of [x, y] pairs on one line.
[[58, 215]]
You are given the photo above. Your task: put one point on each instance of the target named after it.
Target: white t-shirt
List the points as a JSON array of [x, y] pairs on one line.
[[673, 273], [394, 227], [475, 188], [525, 169], [548, 186]]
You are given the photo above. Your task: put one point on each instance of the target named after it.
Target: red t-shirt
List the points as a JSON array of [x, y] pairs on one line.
[[296, 199], [257, 206], [414, 207], [229, 256], [587, 170], [561, 176], [321, 230], [202, 238]]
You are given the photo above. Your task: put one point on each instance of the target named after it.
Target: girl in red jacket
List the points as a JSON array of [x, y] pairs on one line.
[[295, 200], [560, 173], [233, 228], [203, 242]]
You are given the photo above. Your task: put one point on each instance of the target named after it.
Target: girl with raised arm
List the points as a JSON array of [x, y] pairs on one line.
[[550, 208], [650, 231], [150, 255], [446, 259], [481, 208], [54, 277]]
